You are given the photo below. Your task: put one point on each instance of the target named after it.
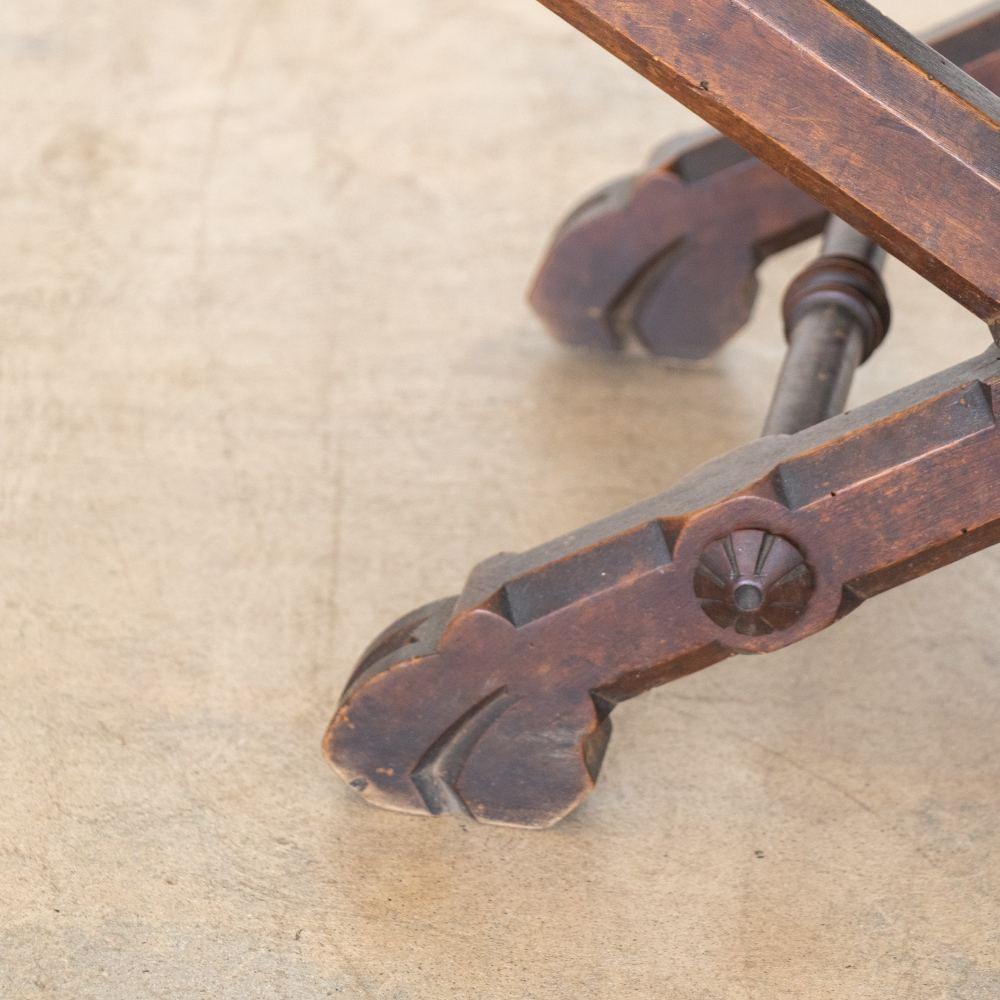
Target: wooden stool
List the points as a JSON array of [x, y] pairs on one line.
[[496, 704]]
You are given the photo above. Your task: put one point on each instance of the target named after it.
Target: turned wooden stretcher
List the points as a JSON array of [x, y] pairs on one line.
[[496, 704]]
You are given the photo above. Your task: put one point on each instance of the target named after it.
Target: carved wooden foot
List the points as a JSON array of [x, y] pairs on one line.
[[669, 257], [496, 704]]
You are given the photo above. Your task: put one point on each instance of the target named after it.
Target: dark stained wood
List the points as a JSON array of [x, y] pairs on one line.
[[496, 704], [837, 314], [669, 257]]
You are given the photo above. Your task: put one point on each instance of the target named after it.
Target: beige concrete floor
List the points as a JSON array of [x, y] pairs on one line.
[[266, 382]]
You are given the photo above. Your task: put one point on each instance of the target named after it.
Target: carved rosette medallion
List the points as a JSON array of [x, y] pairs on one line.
[[754, 583]]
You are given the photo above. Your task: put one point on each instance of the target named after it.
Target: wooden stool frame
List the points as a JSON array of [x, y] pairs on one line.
[[496, 704]]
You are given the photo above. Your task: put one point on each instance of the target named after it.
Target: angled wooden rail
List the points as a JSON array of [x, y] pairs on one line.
[[883, 131], [668, 258]]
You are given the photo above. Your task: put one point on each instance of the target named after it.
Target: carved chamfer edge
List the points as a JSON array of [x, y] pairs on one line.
[[785, 488]]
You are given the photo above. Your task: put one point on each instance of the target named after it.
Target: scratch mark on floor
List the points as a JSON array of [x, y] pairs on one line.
[[241, 41]]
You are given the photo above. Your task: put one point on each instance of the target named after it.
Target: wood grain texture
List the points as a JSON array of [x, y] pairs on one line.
[[883, 131], [668, 258]]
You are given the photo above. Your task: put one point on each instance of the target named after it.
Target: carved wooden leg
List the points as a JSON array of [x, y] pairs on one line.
[[496, 704], [669, 257]]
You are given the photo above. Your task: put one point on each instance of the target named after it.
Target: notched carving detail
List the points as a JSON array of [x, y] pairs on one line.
[[605, 566], [754, 583], [438, 770]]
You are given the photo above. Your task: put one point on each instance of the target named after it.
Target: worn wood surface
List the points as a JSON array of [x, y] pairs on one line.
[[231, 456], [837, 97], [668, 258]]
